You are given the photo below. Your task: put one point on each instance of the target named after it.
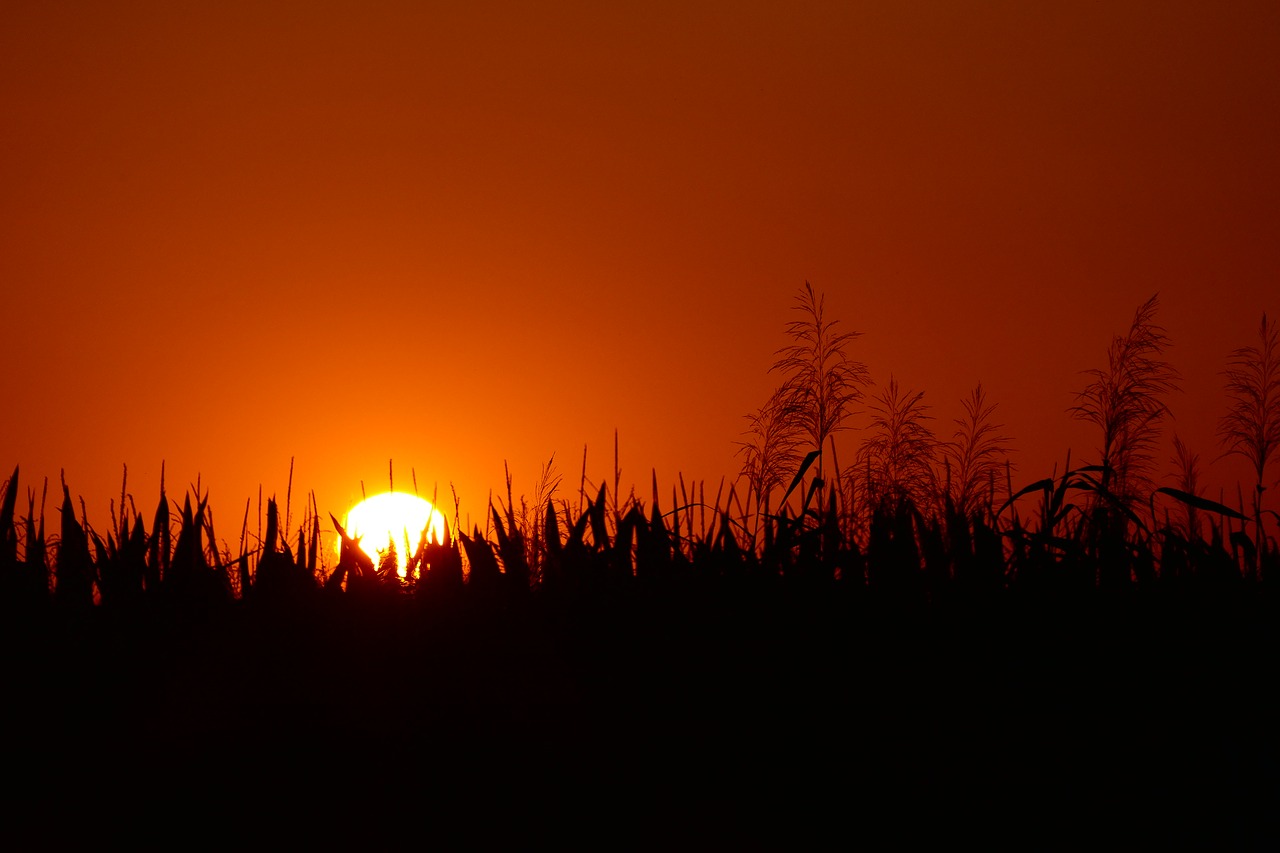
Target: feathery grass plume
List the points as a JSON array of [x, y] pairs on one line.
[[1125, 401], [772, 452], [976, 453], [821, 383], [901, 448], [1251, 426], [855, 504]]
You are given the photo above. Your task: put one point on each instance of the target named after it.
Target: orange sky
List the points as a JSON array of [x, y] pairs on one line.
[[236, 233]]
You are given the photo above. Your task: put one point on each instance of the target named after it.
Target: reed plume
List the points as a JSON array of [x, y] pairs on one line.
[[1251, 426], [821, 383], [1125, 400], [976, 454]]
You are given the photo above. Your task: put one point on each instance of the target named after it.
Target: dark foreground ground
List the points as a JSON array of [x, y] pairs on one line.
[[752, 718]]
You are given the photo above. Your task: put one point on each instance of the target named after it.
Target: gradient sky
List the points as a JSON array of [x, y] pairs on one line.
[[232, 234]]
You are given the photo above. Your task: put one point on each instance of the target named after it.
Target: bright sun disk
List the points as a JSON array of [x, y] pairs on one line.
[[393, 516]]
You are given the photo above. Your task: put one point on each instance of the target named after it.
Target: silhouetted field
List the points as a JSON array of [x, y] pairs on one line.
[[903, 650], [624, 683]]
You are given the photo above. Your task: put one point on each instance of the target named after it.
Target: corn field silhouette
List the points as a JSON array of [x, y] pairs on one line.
[[930, 631]]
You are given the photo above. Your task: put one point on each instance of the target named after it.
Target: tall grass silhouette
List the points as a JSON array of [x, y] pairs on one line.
[[940, 633], [906, 493]]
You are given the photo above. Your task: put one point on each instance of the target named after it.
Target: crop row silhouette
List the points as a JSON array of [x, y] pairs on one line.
[[614, 647], [938, 638], [904, 551], [913, 514]]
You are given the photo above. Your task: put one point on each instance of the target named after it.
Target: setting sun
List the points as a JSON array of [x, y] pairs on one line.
[[393, 516]]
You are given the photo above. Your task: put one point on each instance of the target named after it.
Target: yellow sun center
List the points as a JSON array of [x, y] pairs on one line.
[[393, 517]]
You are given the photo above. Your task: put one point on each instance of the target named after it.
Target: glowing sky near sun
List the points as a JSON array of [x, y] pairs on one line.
[[456, 235]]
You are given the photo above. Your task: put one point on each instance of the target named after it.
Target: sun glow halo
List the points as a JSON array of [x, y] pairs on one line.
[[392, 516]]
